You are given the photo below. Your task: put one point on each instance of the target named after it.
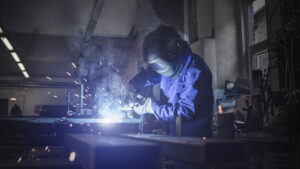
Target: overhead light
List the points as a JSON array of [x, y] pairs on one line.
[[25, 74], [49, 78], [15, 56], [21, 66], [7, 43], [13, 99], [1, 31], [68, 73]]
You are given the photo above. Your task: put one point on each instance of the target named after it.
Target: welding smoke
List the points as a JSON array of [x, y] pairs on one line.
[[100, 64]]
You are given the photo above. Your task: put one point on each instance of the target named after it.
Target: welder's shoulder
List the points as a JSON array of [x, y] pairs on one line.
[[200, 64], [192, 73]]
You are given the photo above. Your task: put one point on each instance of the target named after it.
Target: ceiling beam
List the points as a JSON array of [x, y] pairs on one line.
[[93, 19]]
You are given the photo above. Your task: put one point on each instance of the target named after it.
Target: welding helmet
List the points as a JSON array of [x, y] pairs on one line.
[[164, 51]]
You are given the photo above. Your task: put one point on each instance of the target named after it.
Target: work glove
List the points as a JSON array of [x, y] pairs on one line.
[[145, 108]]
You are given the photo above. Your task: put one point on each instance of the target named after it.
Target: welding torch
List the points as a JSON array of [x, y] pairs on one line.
[[139, 103]]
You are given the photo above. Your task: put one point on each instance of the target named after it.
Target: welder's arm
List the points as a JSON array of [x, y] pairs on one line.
[[186, 104]]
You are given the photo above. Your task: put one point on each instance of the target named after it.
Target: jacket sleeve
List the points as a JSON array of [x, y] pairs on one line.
[[185, 106]]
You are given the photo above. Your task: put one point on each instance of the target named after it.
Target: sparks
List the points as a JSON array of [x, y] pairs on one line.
[[220, 109], [74, 65], [72, 156], [68, 73], [19, 159]]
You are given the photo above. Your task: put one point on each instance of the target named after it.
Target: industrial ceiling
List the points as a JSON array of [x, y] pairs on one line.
[[41, 31]]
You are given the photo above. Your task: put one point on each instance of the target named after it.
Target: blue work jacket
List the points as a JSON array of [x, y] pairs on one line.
[[190, 96]]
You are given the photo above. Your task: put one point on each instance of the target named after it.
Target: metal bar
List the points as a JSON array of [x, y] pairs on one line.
[[68, 100], [178, 126], [81, 98], [93, 19], [11, 84]]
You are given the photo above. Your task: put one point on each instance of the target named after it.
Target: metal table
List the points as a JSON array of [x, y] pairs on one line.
[[199, 151], [94, 151]]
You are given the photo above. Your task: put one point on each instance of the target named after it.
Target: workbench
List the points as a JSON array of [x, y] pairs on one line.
[[50, 126], [204, 153]]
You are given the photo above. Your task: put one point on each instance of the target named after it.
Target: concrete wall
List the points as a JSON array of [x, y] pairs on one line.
[[222, 47], [225, 25], [152, 13]]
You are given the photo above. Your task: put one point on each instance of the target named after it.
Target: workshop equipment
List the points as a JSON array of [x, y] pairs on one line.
[[113, 153], [225, 128]]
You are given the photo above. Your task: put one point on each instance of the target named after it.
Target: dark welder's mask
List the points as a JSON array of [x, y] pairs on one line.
[[164, 51]]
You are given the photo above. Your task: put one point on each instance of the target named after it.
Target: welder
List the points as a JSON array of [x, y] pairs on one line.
[[185, 83]]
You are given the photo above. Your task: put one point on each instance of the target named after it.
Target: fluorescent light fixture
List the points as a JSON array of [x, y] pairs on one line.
[[21, 66], [49, 78], [25, 74], [1, 30], [15, 56], [7, 43], [13, 99]]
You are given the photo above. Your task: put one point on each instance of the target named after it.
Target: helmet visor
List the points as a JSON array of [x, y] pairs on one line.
[[161, 66]]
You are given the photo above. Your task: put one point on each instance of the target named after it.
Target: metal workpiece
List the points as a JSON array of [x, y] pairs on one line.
[[204, 152], [49, 126], [94, 151]]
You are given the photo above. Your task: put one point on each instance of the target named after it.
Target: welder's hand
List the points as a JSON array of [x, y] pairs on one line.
[[145, 108], [139, 109], [148, 106]]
